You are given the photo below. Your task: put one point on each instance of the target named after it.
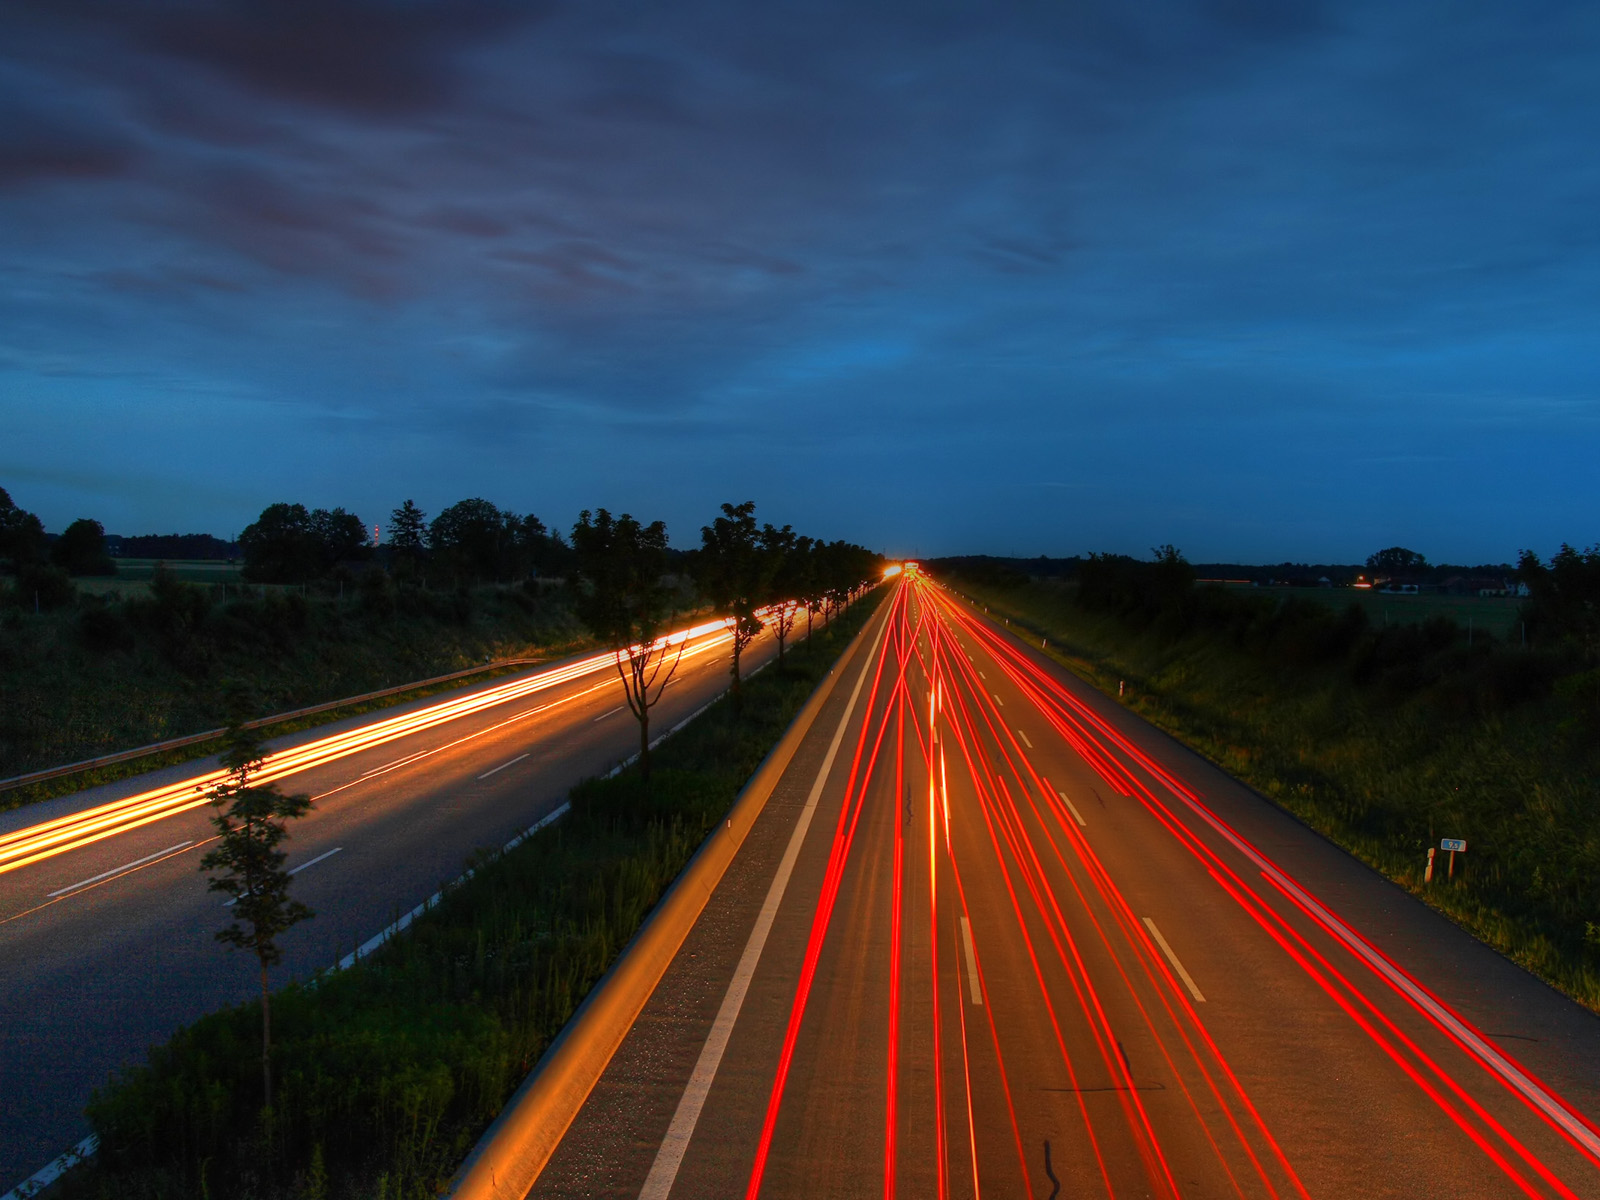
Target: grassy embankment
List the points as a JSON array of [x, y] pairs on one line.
[[388, 1072], [1382, 739], [107, 674]]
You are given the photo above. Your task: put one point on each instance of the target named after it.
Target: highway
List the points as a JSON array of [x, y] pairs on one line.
[[106, 926], [994, 935]]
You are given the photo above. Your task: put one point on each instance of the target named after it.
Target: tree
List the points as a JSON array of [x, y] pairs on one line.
[[620, 596], [1396, 560], [81, 549], [251, 822], [841, 567], [408, 529], [731, 571], [337, 537], [535, 550], [1564, 597], [784, 559], [474, 538], [813, 589], [277, 545], [21, 534], [408, 537], [288, 544]]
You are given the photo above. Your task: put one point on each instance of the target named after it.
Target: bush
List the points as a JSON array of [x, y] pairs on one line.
[[43, 587], [104, 630]]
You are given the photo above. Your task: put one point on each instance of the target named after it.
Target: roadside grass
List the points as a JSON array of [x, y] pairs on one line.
[[387, 1073], [1384, 770], [100, 676]]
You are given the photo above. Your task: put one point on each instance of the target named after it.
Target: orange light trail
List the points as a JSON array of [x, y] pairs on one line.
[[47, 839]]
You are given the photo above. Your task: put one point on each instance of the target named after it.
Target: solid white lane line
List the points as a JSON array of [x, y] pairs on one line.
[[664, 1171], [1072, 808], [296, 871], [1173, 959], [972, 963], [503, 766], [138, 862], [1025, 740]]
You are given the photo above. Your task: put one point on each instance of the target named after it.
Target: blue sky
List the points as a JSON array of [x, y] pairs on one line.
[[1267, 280]]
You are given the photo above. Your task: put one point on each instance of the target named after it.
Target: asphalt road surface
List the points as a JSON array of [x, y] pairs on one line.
[[1009, 940], [107, 937]]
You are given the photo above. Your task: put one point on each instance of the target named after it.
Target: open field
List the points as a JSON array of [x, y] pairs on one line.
[[133, 577], [1497, 614]]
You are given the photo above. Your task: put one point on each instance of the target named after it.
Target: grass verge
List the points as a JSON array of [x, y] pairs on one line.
[[96, 677], [387, 1073], [77, 781], [1383, 770]]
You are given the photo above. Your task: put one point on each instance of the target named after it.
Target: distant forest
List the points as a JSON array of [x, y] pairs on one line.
[[1394, 563], [171, 546]]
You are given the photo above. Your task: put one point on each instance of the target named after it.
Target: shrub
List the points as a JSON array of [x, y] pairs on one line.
[[43, 587], [103, 629]]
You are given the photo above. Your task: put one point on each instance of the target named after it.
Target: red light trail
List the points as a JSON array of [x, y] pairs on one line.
[[1083, 975]]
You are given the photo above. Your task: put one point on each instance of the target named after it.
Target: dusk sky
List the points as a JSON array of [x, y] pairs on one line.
[[1266, 280]]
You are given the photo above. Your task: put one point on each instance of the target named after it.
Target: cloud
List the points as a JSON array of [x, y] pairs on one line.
[[41, 154], [372, 57], [1003, 241]]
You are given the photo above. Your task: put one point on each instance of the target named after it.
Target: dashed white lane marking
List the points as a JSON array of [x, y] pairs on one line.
[[1172, 958], [504, 765], [611, 712], [1025, 740], [316, 860], [104, 875], [997, 699], [972, 963], [1072, 808], [297, 870]]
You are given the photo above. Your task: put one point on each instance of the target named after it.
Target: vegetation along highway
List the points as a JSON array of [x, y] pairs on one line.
[[106, 928]]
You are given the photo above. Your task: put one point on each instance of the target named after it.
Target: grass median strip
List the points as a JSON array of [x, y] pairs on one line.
[[387, 1073]]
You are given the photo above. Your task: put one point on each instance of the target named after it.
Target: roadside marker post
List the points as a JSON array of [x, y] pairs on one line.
[[1455, 846], [1427, 876]]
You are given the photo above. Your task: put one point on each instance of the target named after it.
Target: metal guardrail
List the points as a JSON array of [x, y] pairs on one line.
[[178, 743]]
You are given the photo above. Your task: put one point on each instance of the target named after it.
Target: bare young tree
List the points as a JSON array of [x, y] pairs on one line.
[[622, 597]]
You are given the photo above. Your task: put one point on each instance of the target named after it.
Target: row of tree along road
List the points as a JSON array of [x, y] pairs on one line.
[[753, 576]]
